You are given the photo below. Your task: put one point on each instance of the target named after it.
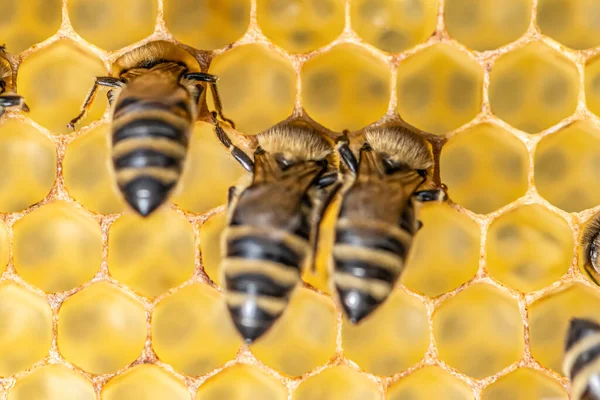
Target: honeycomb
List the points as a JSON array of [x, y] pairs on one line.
[[97, 303]]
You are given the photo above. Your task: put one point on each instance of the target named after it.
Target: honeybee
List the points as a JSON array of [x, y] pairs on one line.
[[582, 359], [377, 219], [272, 222], [7, 96], [590, 244], [155, 93]]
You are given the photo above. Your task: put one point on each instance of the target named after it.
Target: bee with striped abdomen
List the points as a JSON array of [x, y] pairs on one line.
[[155, 93], [582, 359], [272, 222], [377, 220], [590, 245], [7, 96]]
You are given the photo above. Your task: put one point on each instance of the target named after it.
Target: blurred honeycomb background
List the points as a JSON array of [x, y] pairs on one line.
[[96, 303]]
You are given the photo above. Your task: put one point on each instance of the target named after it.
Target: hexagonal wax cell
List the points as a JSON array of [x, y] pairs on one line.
[[88, 172], [485, 168], [486, 25], [525, 384], [592, 85], [533, 87], [240, 382], [439, 89], [26, 329], [192, 331], [101, 329], [549, 318], [345, 88], [209, 172], [151, 255], [456, 259], [145, 382], [210, 245], [112, 25], [303, 338], [4, 247], [430, 383], [565, 164], [23, 24], [206, 24], [573, 23], [55, 81], [57, 247], [394, 26], [529, 248], [479, 331], [53, 382], [300, 26], [390, 340], [337, 383], [28, 162], [257, 86]]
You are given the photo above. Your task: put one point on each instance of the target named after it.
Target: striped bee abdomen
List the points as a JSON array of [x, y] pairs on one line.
[[260, 272], [582, 359], [369, 257], [149, 142]]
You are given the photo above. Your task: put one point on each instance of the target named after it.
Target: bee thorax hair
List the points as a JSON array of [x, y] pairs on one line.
[[401, 145], [295, 142], [152, 52]]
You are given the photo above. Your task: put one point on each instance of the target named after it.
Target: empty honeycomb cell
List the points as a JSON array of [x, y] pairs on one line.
[[4, 247], [88, 175], [209, 172], [571, 22], [565, 164], [456, 259], [53, 382], [303, 338], [592, 85], [191, 330], [24, 23], [207, 24], [525, 384], [533, 87], [467, 160], [241, 382], [300, 25], [439, 89], [479, 331], [488, 24], [257, 86], [392, 339], [549, 318], [394, 26], [113, 24], [151, 255], [346, 87], [55, 81], [101, 328], [337, 383], [529, 248], [28, 165], [26, 329], [429, 383], [57, 247], [145, 382], [210, 245]]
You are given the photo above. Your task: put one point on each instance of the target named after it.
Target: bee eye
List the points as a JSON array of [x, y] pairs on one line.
[[594, 257], [391, 166], [422, 173], [283, 162]]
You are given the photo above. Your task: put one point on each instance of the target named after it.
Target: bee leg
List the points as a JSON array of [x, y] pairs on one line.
[[430, 195], [343, 147], [230, 195], [236, 152], [98, 81], [212, 81]]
